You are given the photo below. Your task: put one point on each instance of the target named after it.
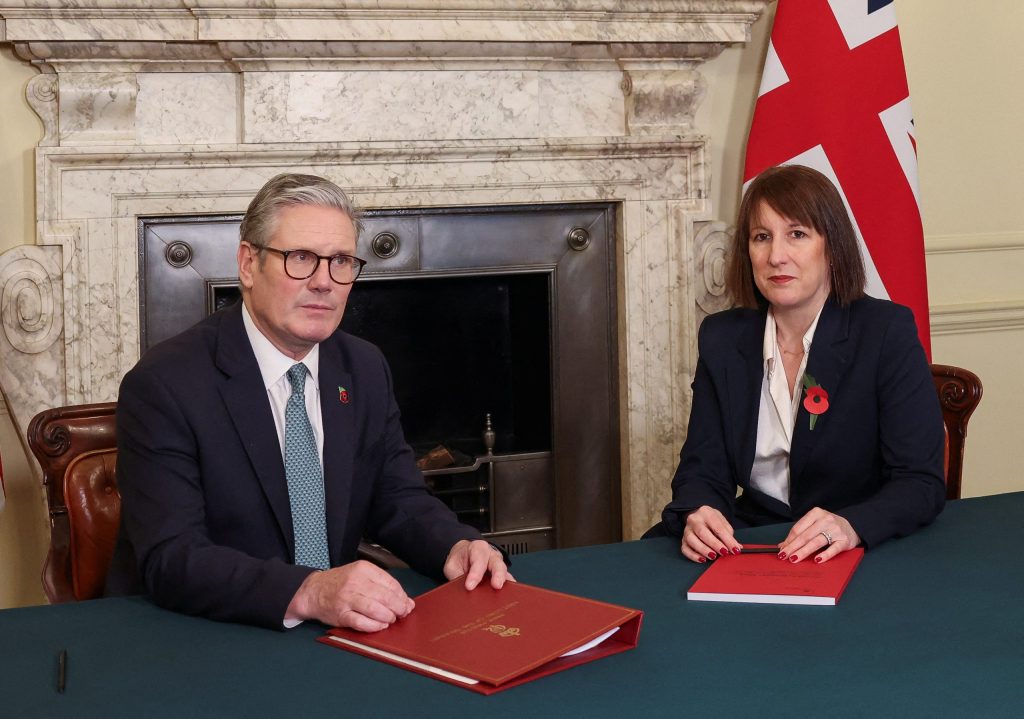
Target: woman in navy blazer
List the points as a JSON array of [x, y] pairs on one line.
[[813, 398]]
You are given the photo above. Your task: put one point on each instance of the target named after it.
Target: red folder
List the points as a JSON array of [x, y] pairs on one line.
[[488, 640], [766, 579]]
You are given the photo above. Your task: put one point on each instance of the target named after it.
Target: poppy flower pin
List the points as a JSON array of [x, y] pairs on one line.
[[343, 395], [815, 400]]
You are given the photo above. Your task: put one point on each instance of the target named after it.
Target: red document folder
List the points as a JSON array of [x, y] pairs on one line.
[[766, 579], [488, 640]]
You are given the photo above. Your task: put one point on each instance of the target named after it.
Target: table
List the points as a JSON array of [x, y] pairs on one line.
[[930, 626]]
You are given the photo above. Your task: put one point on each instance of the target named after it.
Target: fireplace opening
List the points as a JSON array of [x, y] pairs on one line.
[[462, 348], [470, 358]]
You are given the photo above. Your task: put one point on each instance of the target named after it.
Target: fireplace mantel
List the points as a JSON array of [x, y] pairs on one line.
[[373, 21], [188, 106]]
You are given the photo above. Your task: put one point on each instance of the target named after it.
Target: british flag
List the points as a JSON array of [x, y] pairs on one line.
[[834, 97]]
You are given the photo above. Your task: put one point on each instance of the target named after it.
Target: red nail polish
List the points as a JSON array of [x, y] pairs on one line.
[[735, 550], [702, 560], [782, 555], [723, 551], [711, 555], [794, 558], [817, 560]]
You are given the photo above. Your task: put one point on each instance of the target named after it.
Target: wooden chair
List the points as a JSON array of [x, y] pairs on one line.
[[959, 394], [76, 447]]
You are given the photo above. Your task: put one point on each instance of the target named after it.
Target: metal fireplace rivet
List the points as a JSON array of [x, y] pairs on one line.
[[385, 245], [578, 239], [178, 254]]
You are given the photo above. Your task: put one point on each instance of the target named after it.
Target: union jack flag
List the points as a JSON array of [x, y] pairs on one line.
[[834, 97]]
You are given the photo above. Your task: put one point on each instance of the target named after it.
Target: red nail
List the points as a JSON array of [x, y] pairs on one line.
[[735, 550], [702, 560], [723, 551], [711, 555], [782, 555], [794, 559], [817, 560]]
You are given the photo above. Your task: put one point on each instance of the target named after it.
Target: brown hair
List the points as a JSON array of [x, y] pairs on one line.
[[808, 197]]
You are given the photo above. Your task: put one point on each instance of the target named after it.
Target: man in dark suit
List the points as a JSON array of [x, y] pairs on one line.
[[240, 479]]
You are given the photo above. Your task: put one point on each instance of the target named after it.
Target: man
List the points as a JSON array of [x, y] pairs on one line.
[[239, 478]]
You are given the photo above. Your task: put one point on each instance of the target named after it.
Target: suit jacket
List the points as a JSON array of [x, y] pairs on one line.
[[875, 456], [206, 522]]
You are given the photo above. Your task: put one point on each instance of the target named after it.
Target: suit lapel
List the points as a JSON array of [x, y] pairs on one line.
[[246, 400], [827, 364], [338, 404], [744, 372]]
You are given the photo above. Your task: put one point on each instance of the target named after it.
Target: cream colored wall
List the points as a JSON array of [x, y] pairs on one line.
[[965, 71], [23, 524], [967, 99]]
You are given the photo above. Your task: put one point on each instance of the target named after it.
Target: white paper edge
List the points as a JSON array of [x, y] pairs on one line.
[[591, 644], [402, 660], [761, 598]]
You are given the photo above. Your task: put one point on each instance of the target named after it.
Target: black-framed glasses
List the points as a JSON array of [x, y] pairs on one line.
[[301, 264]]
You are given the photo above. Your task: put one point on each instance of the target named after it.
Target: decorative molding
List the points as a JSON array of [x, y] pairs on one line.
[[713, 22], [711, 250], [977, 317], [978, 242], [30, 301], [660, 98], [32, 307], [42, 93]]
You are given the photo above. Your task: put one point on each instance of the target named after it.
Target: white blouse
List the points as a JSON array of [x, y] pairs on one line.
[[776, 415]]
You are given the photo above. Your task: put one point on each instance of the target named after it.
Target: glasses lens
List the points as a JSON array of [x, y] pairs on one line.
[[344, 269], [300, 264]]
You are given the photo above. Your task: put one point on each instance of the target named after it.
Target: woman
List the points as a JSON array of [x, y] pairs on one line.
[[812, 397]]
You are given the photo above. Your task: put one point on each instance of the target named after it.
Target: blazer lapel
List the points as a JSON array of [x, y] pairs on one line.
[[827, 364], [246, 400], [744, 372], [338, 405]]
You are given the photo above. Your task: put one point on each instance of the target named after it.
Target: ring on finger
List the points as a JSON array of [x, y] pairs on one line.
[[828, 537]]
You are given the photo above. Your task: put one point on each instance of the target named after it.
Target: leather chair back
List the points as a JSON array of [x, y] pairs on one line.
[[77, 450]]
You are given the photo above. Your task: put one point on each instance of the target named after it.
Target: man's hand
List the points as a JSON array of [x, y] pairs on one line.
[[359, 595], [474, 559], [707, 535]]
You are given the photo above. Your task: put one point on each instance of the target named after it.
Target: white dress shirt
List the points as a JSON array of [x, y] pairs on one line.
[[274, 366], [776, 415]]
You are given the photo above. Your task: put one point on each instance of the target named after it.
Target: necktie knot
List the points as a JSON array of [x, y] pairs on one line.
[[297, 377]]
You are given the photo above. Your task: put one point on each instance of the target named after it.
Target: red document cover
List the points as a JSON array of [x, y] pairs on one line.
[[488, 640], [766, 579]]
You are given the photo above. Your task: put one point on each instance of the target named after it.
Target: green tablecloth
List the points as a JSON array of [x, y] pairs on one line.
[[930, 626]]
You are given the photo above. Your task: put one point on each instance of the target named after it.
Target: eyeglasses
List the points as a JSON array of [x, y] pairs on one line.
[[301, 264]]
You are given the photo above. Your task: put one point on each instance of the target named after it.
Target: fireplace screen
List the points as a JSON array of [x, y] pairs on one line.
[[499, 328]]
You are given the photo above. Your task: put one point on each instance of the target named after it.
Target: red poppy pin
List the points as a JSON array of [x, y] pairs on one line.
[[343, 395], [816, 401]]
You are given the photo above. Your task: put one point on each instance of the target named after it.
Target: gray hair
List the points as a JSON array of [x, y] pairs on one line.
[[287, 190]]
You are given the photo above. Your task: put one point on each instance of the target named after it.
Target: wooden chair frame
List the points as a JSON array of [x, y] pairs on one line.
[[959, 393]]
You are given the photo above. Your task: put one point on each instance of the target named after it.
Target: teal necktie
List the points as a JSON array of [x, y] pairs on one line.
[[305, 478]]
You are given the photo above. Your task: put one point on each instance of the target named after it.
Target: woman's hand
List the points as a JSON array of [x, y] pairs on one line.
[[707, 535], [818, 530]]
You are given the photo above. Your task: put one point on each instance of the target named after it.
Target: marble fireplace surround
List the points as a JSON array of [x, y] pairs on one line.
[[186, 108]]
